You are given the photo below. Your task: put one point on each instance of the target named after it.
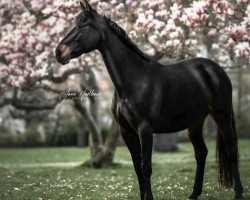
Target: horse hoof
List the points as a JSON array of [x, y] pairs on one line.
[[239, 198]]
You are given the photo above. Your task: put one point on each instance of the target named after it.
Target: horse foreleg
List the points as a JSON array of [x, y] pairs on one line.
[[133, 143], [200, 149], [146, 140]]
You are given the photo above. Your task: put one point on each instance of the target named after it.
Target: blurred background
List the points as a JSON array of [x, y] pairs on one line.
[[32, 113]]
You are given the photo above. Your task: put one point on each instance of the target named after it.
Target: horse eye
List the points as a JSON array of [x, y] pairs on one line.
[[84, 27]]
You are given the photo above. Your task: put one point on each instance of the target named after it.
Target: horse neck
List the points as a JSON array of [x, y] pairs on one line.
[[122, 62]]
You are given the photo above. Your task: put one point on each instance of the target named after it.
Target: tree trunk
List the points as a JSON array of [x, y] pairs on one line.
[[239, 95], [106, 156], [81, 134], [165, 142], [101, 153], [211, 128], [111, 142]]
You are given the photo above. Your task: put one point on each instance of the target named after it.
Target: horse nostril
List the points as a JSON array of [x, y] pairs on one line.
[[58, 53]]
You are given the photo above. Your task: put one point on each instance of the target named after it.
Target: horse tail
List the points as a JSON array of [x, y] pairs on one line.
[[225, 174]]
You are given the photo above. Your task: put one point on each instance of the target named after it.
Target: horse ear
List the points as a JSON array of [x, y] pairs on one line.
[[85, 6]]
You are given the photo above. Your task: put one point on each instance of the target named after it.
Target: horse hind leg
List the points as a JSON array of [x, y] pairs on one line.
[[200, 149], [227, 152]]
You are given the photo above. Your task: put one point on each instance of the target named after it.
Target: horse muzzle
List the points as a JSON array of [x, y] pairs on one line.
[[62, 54]]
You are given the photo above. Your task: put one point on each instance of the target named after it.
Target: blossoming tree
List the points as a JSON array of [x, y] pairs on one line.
[[30, 31]]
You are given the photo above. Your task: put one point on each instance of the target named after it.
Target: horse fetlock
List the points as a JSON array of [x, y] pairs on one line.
[[238, 196], [238, 188], [195, 194], [148, 197]]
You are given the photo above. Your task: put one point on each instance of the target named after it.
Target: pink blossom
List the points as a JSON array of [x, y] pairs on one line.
[[230, 11], [45, 82], [241, 1], [159, 24], [242, 49], [62, 15], [173, 35], [28, 39], [231, 42], [38, 5], [39, 47], [42, 57], [222, 17], [194, 42], [225, 5], [151, 25], [47, 11], [184, 18], [170, 25], [149, 12], [150, 51], [133, 34], [163, 14], [93, 2], [153, 40], [113, 2], [200, 6], [152, 4], [128, 2], [163, 33], [102, 6], [175, 10], [204, 17], [195, 17], [120, 7], [215, 46], [134, 4], [169, 43], [176, 42], [212, 32]]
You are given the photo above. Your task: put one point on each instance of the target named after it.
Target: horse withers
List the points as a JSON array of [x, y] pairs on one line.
[[153, 98]]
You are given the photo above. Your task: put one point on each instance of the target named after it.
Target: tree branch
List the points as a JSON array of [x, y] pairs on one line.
[[19, 104], [4, 103], [63, 77]]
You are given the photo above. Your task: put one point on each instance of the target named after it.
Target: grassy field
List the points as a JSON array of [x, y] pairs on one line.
[[58, 173]]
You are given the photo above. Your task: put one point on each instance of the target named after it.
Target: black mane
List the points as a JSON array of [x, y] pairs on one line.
[[120, 32]]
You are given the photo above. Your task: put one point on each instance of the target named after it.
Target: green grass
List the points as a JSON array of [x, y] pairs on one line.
[[34, 173]]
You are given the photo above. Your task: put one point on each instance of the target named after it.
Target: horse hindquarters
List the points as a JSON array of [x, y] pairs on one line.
[[221, 110]]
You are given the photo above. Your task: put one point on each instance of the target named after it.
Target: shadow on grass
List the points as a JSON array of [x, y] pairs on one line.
[[87, 164]]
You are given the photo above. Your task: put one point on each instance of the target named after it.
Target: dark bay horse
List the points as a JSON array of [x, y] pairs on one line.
[[154, 98]]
